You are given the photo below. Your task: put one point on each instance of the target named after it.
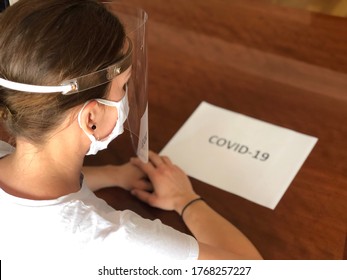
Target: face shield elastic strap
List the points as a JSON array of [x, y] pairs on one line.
[[81, 83]]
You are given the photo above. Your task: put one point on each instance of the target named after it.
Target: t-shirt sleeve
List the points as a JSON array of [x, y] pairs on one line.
[[140, 238]]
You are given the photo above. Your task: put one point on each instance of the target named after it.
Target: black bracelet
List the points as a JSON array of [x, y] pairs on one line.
[[189, 203]]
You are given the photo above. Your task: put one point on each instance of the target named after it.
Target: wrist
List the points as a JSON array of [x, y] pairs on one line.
[[184, 202], [190, 203], [110, 175]]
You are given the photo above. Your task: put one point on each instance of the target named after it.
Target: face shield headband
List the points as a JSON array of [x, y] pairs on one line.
[[79, 84], [134, 20]]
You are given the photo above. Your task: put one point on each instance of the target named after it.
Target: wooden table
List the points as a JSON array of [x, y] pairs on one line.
[[280, 65]]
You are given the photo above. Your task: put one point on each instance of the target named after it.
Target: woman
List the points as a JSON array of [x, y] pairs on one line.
[[45, 204]]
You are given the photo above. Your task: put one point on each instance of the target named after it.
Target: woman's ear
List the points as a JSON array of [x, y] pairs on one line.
[[88, 117]]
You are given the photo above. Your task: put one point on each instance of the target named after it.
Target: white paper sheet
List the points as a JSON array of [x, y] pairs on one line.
[[247, 157]]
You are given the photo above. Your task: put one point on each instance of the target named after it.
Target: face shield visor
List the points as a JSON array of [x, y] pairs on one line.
[[135, 56], [134, 21]]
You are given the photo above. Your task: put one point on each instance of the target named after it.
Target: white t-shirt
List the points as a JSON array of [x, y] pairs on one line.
[[82, 223]]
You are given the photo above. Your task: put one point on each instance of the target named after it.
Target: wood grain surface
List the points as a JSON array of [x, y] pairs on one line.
[[281, 65]]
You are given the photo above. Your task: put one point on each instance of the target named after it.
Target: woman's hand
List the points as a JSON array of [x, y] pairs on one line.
[[172, 189], [127, 175]]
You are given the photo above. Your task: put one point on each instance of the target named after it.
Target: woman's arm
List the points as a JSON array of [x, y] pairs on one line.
[[217, 237], [124, 176]]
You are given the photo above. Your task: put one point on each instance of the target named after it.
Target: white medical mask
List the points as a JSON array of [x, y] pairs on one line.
[[123, 111]]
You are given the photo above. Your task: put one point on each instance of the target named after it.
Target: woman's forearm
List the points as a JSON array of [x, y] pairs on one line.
[[98, 177], [212, 229]]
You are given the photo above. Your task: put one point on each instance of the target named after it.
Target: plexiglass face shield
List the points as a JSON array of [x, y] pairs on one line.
[[134, 20]]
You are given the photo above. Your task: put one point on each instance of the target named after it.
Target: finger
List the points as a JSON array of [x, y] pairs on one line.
[[155, 159], [166, 160], [143, 196], [147, 168], [142, 185]]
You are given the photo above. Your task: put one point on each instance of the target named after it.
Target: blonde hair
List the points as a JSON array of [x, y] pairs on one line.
[[45, 43]]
